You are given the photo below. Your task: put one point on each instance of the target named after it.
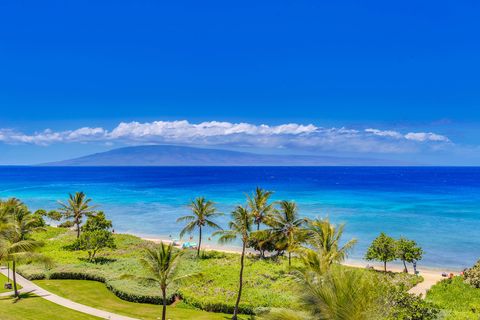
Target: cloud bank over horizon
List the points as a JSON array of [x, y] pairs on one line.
[[294, 136]]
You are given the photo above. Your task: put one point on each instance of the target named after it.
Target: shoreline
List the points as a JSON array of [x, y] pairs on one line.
[[431, 276], [392, 266]]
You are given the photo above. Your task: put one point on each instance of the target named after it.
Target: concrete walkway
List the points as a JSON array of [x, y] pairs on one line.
[[30, 287]]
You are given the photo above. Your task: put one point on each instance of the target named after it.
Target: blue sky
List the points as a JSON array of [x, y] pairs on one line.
[[375, 78]]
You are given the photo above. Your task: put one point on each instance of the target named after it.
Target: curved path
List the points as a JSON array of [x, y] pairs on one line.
[[30, 287]]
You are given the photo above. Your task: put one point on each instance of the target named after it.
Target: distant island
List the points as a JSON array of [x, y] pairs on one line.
[[168, 155]]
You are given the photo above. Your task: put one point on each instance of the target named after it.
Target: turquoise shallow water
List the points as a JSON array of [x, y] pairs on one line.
[[438, 207]]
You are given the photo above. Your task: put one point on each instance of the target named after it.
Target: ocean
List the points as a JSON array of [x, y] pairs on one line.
[[439, 207]]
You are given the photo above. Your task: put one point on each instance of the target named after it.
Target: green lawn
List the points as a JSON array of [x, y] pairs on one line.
[[3, 280], [32, 307], [459, 300], [267, 283], [96, 295]]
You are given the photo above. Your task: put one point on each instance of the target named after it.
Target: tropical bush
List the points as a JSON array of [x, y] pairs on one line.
[[456, 298], [472, 275], [406, 306]]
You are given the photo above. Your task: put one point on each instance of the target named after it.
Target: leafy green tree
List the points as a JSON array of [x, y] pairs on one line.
[[408, 251], [76, 208], [383, 249], [203, 212], [259, 205], [161, 261], [239, 227], [94, 241], [54, 215], [97, 221], [96, 235], [262, 241], [325, 249], [287, 227]]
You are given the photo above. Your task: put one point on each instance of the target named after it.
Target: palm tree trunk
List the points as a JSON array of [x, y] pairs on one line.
[[199, 241], [164, 310], [289, 259], [258, 226], [14, 279], [405, 267], [385, 266], [77, 222], [235, 311]]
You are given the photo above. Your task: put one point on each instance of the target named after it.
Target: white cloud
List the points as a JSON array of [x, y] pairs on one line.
[[426, 136], [215, 133], [385, 133]]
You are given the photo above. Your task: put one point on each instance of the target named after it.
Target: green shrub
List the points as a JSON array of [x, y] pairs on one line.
[[472, 275], [459, 299]]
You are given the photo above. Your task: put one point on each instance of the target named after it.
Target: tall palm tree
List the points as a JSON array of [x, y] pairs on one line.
[[287, 227], [259, 206], [324, 239], [239, 227], [15, 242], [202, 213], [160, 261], [77, 206]]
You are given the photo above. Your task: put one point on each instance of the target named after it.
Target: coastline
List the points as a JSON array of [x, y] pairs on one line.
[[392, 266], [431, 276]]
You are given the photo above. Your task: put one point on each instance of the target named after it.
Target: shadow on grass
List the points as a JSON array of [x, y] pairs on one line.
[[22, 296], [99, 260]]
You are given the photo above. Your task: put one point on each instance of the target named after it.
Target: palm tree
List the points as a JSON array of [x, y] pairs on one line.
[[77, 207], [239, 227], [287, 226], [202, 213], [324, 239], [15, 243], [339, 294], [160, 261], [343, 294], [259, 206]]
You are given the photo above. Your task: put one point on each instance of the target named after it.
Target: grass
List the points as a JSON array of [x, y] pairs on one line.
[[267, 283], [4, 280], [458, 299], [32, 307], [96, 295]]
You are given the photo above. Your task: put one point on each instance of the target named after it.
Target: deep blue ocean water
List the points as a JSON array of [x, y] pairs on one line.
[[439, 207]]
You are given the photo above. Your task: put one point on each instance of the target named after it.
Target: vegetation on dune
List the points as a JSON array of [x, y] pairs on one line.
[[457, 298]]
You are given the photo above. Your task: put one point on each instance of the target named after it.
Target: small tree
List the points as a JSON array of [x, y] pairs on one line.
[[160, 262], [95, 241], [383, 248], [408, 251], [54, 215], [97, 221], [96, 235]]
